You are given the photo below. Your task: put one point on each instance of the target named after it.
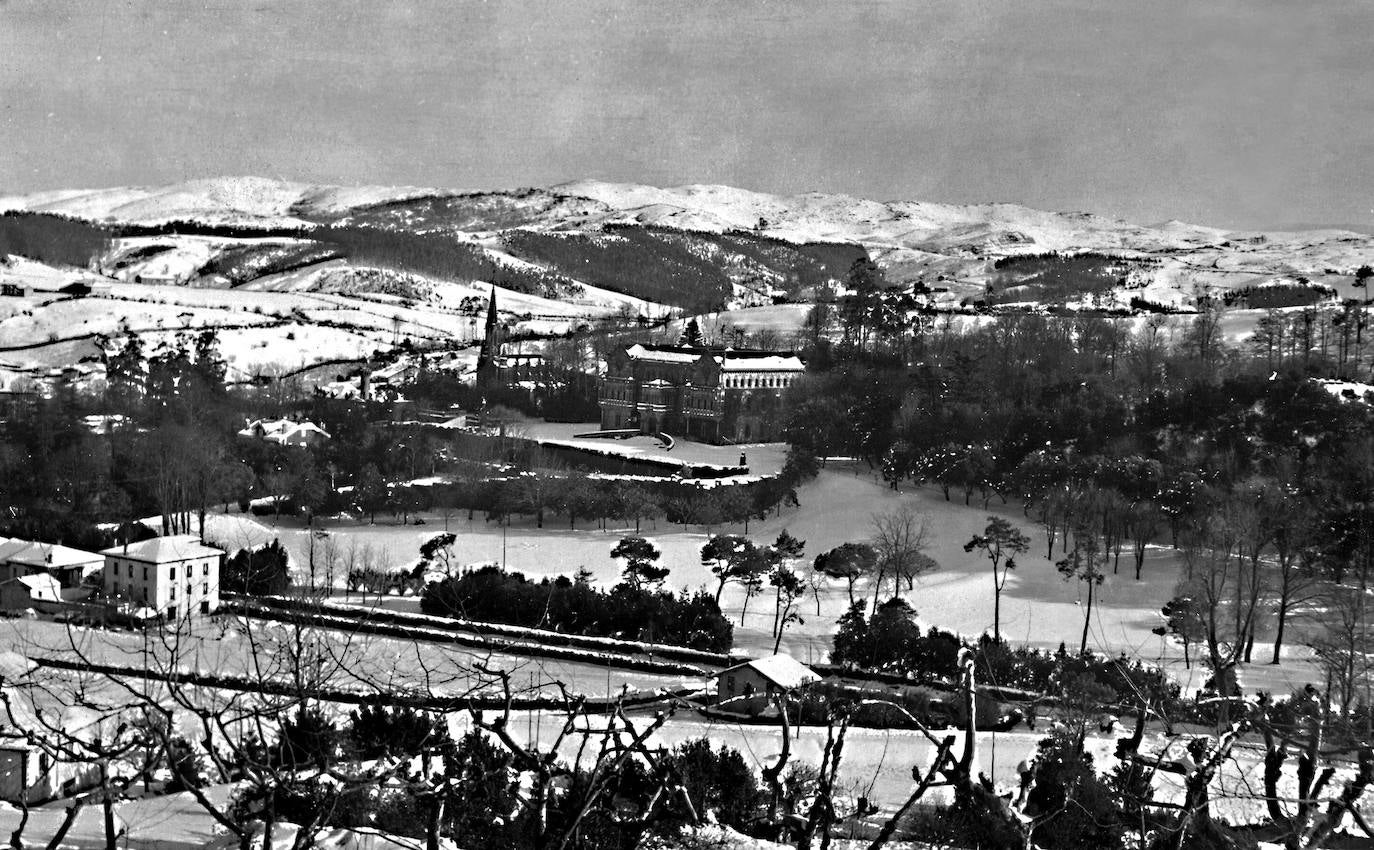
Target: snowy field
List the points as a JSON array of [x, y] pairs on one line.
[[1038, 607]]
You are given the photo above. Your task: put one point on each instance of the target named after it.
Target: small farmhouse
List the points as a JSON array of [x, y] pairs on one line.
[[746, 688], [174, 576]]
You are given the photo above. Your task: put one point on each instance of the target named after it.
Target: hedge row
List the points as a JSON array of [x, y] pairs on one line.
[[432, 635], [502, 630]]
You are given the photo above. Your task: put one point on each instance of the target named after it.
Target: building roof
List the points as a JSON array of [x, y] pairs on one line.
[[49, 555], [12, 547], [296, 429], [782, 670], [663, 354], [164, 550], [40, 581], [280, 430], [779, 362]]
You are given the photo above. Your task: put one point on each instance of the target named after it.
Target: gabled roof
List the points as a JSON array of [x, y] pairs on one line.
[[280, 430], [164, 550], [297, 428], [48, 555], [40, 581], [782, 670]]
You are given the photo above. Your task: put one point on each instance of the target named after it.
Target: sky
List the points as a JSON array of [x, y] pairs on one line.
[[1232, 113]]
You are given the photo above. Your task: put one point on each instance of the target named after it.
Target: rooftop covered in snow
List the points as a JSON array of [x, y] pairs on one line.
[[164, 550], [782, 670]]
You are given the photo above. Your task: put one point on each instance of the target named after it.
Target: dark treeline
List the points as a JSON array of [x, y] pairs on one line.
[[52, 239], [628, 611], [440, 255], [1054, 278], [679, 267]]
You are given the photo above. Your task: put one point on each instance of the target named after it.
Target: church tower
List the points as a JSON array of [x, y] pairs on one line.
[[491, 346]]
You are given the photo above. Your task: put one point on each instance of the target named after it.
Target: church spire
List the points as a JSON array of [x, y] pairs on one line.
[[491, 314], [491, 344]]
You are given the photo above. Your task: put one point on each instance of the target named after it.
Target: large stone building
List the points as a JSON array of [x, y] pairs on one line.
[[716, 395]]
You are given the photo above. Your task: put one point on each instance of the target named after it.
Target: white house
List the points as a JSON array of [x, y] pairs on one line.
[[746, 688], [175, 576]]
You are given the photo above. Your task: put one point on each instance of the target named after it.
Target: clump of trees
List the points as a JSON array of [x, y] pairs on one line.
[[890, 641], [629, 611], [257, 572]]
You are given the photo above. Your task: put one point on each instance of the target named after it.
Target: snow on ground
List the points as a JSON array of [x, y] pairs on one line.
[[761, 458], [877, 763], [167, 822], [1038, 607], [221, 200]]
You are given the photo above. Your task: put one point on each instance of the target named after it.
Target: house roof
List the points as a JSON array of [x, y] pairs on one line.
[[782, 670], [12, 547], [40, 581], [49, 555], [164, 550], [280, 430]]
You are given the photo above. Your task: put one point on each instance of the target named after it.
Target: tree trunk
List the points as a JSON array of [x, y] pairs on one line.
[[434, 822], [1278, 633], [107, 806], [996, 606], [72, 811], [1087, 619], [17, 837]]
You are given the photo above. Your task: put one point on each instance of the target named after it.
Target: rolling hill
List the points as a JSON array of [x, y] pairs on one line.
[[296, 273]]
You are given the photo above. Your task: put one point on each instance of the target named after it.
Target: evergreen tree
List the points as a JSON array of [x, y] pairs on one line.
[[640, 558], [691, 335]]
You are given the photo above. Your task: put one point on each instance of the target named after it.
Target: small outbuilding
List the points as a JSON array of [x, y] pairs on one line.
[[746, 688], [38, 591], [69, 566]]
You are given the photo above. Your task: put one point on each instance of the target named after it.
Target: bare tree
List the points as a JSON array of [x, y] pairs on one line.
[[900, 538]]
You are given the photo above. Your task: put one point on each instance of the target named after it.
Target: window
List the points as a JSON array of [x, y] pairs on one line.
[[173, 592], [172, 573], [205, 570], [205, 588], [145, 573], [730, 684]]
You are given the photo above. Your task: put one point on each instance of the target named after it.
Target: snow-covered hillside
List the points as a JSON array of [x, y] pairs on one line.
[[580, 251]]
